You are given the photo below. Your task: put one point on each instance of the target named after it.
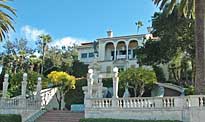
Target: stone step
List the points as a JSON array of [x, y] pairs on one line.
[[60, 116]]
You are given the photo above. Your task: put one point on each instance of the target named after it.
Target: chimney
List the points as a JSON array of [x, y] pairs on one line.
[[109, 34]]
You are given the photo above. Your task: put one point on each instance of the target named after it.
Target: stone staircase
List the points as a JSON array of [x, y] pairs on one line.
[[60, 116]]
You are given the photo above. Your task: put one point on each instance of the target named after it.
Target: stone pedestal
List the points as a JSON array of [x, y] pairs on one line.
[[24, 85], [5, 85], [115, 82]]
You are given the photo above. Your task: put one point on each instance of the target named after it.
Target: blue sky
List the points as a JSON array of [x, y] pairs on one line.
[[80, 20]]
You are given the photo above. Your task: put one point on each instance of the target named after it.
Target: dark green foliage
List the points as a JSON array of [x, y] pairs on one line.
[[159, 73], [75, 96], [189, 90], [176, 35], [10, 118], [107, 82], [124, 120], [79, 69]]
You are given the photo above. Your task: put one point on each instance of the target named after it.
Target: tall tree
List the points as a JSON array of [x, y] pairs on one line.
[[139, 24], [44, 40], [6, 20], [194, 9]]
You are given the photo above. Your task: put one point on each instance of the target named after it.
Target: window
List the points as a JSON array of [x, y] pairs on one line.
[[84, 55], [91, 54], [122, 52]]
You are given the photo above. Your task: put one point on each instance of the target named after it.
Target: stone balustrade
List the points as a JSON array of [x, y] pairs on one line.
[[20, 103], [150, 102], [183, 108]]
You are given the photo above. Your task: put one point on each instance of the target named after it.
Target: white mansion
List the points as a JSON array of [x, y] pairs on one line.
[[112, 52]]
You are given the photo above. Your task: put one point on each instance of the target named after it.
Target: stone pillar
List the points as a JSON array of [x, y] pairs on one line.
[[24, 84], [127, 47], [90, 82], [115, 52], [115, 82], [5, 85], [39, 88]]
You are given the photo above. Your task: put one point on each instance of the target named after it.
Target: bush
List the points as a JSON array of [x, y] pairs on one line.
[[75, 96], [124, 120], [10, 118]]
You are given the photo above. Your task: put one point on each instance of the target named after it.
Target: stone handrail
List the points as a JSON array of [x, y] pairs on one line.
[[20, 103], [47, 95], [149, 102]]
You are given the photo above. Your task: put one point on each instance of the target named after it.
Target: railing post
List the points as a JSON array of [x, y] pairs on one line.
[[24, 84], [179, 102], [88, 103], [158, 102], [193, 100], [5, 85]]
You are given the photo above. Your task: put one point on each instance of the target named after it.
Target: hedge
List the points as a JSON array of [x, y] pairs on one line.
[[124, 120], [10, 118]]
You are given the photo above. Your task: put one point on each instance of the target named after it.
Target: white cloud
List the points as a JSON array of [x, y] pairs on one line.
[[31, 33], [67, 41]]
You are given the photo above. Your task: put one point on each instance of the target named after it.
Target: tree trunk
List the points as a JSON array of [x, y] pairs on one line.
[[200, 47]]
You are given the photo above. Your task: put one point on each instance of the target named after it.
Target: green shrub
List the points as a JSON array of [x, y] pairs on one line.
[[10, 118], [159, 73], [124, 120], [75, 96]]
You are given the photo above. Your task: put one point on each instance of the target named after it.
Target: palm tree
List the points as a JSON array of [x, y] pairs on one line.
[[139, 24], [196, 10], [5, 19], [45, 39]]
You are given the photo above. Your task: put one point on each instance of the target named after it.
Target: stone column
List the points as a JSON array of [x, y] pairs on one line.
[[115, 82], [5, 85], [39, 87], [24, 84], [90, 82], [115, 52], [127, 47]]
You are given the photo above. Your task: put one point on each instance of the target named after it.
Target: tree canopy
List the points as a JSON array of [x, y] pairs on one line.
[[137, 78]]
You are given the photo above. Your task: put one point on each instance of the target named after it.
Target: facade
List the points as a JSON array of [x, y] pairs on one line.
[[112, 52]]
